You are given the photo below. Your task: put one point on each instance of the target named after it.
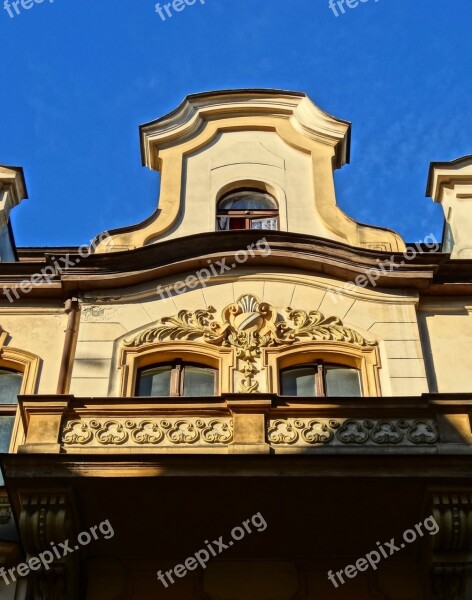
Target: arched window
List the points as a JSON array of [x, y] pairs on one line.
[[177, 379], [247, 209], [320, 379], [10, 387]]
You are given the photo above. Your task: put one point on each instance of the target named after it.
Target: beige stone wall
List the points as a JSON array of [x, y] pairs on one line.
[[447, 330]]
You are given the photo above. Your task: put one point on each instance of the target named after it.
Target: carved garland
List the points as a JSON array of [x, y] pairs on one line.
[[247, 326]]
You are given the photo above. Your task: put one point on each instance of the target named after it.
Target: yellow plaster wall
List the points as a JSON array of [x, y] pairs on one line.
[[39, 331], [237, 157], [448, 337]]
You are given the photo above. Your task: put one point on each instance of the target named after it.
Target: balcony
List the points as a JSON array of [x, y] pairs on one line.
[[247, 424]]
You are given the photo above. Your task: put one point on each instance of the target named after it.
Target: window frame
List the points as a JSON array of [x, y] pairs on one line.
[[27, 365], [177, 377], [12, 410], [366, 359], [319, 370], [249, 215], [132, 359]]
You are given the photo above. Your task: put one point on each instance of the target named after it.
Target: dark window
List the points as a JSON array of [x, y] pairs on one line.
[[10, 387], [177, 379], [320, 379], [448, 239], [247, 209]]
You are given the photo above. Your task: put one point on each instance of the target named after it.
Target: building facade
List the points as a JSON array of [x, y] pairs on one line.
[[249, 395]]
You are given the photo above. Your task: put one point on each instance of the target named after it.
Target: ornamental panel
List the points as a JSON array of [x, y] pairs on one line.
[[151, 432], [351, 432]]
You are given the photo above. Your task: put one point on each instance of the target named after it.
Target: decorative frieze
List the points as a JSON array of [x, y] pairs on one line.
[[162, 432], [199, 431], [354, 432]]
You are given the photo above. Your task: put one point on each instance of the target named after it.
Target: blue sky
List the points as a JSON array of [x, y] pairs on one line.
[[79, 77]]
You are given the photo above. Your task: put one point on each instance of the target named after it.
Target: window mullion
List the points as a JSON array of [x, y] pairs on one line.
[[320, 382]]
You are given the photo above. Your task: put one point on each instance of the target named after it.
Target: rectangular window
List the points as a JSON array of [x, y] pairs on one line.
[[320, 379], [342, 381], [299, 382], [268, 224], [198, 381], [177, 379], [155, 382], [6, 429], [10, 387]]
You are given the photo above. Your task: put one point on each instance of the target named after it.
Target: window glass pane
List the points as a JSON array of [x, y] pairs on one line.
[[448, 240], [342, 381], [237, 223], [247, 200], [155, 382], [6, 429], [223, 223], [264, 224], [199, 381], [299, 382], [10, 386]]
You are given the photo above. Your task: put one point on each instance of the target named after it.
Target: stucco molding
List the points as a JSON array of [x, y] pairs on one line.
[[248, 326]]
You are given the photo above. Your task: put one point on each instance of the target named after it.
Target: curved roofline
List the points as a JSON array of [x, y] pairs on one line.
[[197, 95], [268, 92]]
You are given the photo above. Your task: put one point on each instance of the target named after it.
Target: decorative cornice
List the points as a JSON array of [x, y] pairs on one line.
[[187, 119], [12, 190], [102, 273]]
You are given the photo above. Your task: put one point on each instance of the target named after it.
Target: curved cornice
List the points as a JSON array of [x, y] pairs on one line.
[[297, 252], [188, 119]]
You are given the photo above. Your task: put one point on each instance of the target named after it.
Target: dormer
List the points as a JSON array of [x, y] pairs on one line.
[[248, 159]]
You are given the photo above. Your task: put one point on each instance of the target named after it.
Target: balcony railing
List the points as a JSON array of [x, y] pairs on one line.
[[432, 423]]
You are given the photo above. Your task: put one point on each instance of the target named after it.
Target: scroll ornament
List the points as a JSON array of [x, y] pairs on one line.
[[248, 326]]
